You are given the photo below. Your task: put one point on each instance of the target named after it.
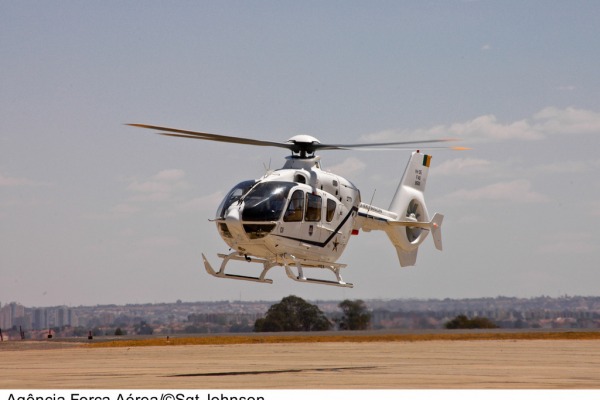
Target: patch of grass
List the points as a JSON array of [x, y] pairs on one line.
[[366, 338]]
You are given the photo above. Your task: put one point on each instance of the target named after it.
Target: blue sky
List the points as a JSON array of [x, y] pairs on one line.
[[92, 211]]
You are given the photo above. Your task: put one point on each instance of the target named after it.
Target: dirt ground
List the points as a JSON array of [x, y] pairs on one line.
[[502, 364]]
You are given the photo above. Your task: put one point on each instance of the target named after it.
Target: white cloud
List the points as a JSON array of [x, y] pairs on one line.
[[517, 191], [570, 120], [160, 187], [161, 194], [489, 127], [463, 166], [348, 167], [8, 181], [397, 135], [486, 47], [567, 244], [124, 209], [549, 121], [567, 167], [567, 88], [209, 202], [119, 211]]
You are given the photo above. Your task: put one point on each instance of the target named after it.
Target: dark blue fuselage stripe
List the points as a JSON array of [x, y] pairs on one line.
[[335, 232], [372, 217]]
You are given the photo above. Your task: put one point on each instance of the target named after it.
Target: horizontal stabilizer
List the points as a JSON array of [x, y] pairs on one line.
[[434, 226]]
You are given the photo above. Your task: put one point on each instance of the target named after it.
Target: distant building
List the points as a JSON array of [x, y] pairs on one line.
[[40, 319], [61, 317], [11, 315], [72, 319]]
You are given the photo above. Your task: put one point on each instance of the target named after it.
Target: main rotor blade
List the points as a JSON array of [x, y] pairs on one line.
[[212, 136], [377, 146], [295, 147]]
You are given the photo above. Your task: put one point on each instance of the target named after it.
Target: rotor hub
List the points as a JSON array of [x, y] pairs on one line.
[[304, 145]]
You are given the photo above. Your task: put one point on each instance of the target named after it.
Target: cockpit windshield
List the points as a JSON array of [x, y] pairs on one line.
[[234, 195], [266, 201]]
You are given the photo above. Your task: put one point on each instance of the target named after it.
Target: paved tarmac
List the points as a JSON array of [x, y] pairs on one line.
[[502, 364]]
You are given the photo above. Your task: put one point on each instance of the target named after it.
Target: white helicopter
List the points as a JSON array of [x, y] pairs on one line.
[[301, 216]]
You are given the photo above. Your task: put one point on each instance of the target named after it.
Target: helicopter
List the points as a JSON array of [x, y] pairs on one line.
[[301, 217]]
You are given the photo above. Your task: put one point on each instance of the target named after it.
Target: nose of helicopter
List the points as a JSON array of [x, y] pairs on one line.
[[233, 219], [232, 215], [231, 225], [241, 229]]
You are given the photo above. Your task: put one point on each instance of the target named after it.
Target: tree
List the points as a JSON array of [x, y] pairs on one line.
[[120, 332], [356, 316], [143, 328], [292, 314], [463, 322], [80, 331]]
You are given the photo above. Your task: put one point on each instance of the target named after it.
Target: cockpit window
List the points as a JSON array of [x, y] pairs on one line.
[[266, 201], [234, 195]]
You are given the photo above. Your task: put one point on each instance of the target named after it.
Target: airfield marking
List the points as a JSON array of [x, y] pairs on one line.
[[362, 337], [277, 371]]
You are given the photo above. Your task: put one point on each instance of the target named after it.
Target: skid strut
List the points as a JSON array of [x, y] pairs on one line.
[[267, 265], [303, 279]]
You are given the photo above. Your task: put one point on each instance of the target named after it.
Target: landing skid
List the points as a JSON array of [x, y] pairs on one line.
[[267, 265], [335, 268]]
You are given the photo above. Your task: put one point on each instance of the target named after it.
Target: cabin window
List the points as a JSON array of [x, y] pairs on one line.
[[295, 208], [313, 207], [330, 209], [300, 178]]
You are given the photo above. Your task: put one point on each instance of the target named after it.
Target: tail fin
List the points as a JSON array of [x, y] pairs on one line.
[[436, 230], [413, 181], [407, 222], [413, 223]]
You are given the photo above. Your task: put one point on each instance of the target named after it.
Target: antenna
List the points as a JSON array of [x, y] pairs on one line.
[[267, 169], [371, 203]]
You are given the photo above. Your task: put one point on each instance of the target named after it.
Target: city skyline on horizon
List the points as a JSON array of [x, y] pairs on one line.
[[316, 301]]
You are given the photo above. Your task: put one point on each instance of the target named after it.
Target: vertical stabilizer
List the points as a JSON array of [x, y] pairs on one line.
[[413, 181], [413, 224], [407, 222], [436, 230]]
